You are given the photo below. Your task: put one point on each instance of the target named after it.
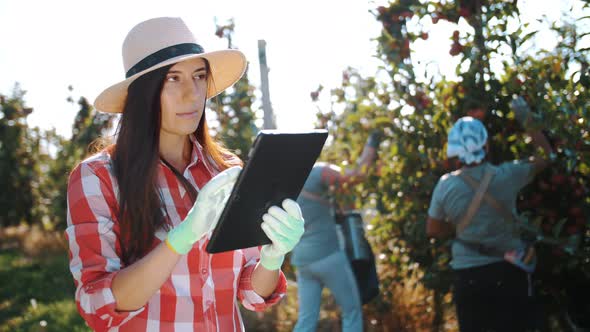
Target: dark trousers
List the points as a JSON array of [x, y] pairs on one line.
[[493, 297]]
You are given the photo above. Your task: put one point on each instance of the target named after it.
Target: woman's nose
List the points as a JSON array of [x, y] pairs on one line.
[[191, 91]]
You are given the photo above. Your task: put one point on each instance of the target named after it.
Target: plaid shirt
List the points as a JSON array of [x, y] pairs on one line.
[[201, 292]]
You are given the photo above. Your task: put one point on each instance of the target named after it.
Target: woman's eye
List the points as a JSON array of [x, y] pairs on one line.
[[172, 78], [200, 76]]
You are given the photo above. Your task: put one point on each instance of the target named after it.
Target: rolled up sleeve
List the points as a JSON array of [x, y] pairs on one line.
[[246, 294], [520, 173], [93, 247], [436, 208]]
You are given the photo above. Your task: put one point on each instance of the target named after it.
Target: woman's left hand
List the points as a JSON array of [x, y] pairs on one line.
[[284, 227]]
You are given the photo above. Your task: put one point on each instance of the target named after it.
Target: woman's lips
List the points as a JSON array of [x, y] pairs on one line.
[[187, 115]]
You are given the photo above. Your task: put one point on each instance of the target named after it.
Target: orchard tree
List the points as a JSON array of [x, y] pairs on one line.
[[88, 127], [233, 107], [18, 163], [415, 113]]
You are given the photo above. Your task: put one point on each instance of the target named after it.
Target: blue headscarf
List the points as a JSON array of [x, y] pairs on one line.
[[467, 140]]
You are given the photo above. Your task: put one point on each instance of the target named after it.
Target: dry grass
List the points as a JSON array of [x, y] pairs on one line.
[[412, 304], [282, 317], [412, 311], [414, 307], [33, 240]]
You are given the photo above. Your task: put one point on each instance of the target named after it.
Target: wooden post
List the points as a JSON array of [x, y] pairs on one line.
[[269, 118]]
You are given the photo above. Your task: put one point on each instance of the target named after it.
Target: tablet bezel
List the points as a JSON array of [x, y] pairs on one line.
[[302, 145]]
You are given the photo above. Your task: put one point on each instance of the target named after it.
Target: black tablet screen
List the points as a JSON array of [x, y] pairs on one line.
[[278, 166]]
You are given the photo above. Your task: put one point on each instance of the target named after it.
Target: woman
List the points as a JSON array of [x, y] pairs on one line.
[[140, 212], [489, 292], [320, 261]]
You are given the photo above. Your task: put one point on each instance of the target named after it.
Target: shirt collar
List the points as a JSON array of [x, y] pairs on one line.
[[476, 168], [197, 150]]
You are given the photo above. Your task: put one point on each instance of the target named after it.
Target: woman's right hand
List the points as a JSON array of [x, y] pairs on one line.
[[205, 213]]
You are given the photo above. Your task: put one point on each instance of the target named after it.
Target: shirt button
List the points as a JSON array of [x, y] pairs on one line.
[[204, 271]]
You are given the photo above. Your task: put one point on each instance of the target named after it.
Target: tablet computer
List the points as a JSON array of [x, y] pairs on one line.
[[278, 165]]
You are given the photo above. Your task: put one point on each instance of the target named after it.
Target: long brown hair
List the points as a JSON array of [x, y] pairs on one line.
[[136, 157]]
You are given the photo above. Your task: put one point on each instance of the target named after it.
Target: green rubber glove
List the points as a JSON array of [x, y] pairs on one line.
[[375, 138], [284, 227], [523, 114], [205, 213]]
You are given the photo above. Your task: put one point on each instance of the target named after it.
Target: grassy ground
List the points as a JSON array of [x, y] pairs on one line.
[[283, 316], [37, 290], [36, 294]]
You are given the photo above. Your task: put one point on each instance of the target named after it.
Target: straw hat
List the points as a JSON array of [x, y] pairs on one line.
[[158, 42]]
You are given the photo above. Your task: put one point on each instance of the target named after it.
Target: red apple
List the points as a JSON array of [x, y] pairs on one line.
[[407, 14], [572, 229], [558, 179], [573, 180], [446, 164], [456, 49], [464, 12], [478, 113], [575, 211], [314, 95]]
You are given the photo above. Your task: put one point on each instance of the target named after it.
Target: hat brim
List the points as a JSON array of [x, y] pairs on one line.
[[226, 68]]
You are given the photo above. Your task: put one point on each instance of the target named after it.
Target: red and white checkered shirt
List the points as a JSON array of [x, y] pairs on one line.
[[201, 292]]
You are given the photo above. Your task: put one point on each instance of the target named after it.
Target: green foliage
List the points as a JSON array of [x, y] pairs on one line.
[[19, 149], [89, 125], [37, 291], [29, 168], [233, 108], [415, 115], [236, 118]]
